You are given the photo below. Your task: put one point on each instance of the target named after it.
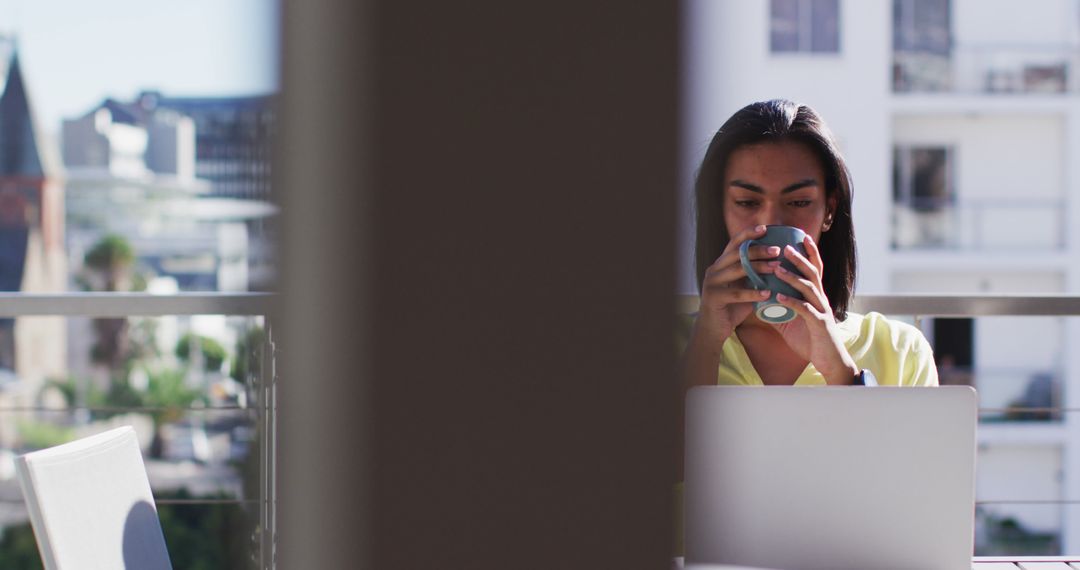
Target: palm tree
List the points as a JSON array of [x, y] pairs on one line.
[[112, 258], [167, 391], [109, 264]]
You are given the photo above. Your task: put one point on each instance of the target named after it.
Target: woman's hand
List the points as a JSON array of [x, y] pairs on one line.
[[815, 336], [726, 300]]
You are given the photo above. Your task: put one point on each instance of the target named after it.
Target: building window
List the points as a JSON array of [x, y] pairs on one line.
[[922, 45], [805, 26], [923, 197], [922, 26]]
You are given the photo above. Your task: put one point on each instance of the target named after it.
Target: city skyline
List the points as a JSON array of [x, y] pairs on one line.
[[75, 54]]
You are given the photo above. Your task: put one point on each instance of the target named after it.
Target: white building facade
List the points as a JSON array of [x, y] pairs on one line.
[[960, 122]]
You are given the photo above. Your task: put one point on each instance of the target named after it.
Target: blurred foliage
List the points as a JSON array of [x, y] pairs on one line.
[[213, 354], [168, 389], [198, 536], [110, 255], [68, 389], [119, 395], [110, 346], [18, 548], [39, 435], [997, 535], [109, 266], [143, 345], [249, 354], [206, 537]]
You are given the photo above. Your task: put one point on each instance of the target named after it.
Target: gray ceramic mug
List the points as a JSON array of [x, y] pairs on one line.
[[770, 310]]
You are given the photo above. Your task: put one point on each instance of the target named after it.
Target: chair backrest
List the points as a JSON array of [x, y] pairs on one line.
[[90, 504]]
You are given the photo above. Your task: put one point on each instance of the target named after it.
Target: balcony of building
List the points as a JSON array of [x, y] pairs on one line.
[[988, 70], [974, 224], [1027, 487], [966, 183], [526, 303], [1027, 412], [205, 417]]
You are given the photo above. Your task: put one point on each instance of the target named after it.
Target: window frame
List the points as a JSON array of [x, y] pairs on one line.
[[805, 30]]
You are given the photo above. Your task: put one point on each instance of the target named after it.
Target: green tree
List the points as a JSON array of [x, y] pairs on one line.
[[112, 258], [109, 266], [213, 354], [198, 536], [168, 391], [249, 354], [18, 548]]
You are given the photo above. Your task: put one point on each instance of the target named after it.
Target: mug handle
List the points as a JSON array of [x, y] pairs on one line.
[[755, 279]]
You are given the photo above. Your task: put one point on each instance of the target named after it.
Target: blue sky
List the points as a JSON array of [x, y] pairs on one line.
[[75, 53]]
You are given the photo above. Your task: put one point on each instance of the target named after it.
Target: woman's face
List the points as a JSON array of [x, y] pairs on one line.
[[776, 184]]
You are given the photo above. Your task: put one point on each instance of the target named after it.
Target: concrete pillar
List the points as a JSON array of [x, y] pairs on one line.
[[475, 333]]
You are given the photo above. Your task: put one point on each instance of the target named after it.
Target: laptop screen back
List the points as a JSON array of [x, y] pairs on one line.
[[830, 477]]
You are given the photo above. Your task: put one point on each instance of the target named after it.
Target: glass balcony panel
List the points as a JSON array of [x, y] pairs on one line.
[[995, 69], [976, 224], [1030, 476], [197, 389], [1015, 529]]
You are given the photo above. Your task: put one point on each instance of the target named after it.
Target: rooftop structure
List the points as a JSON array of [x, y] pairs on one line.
[[32, 257]]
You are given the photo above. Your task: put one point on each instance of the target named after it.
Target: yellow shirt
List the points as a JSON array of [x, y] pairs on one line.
[[896, 352]]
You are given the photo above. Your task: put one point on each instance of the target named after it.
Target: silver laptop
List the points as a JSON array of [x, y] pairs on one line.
[[833, 478]]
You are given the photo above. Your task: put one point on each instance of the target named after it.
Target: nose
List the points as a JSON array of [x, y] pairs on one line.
[[770, 214]]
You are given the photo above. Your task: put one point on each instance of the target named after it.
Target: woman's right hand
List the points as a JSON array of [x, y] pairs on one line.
[[726, 300]]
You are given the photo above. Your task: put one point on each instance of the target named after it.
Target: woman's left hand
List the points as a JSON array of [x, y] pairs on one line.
[[815, 336]]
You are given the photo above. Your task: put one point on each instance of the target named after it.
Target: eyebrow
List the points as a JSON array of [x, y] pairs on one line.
[[785, 190]]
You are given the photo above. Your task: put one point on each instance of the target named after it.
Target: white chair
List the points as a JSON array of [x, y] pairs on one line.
[[90, 505]]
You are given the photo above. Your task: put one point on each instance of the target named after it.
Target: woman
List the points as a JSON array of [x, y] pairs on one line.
[[776, 163]]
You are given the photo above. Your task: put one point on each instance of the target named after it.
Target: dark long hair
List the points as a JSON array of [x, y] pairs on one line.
[[779, 120]]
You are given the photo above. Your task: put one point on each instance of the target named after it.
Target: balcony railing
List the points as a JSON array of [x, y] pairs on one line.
[[999, 533], [998, 69], [261, 405], [932, 223], [919, 307], [933, 305]]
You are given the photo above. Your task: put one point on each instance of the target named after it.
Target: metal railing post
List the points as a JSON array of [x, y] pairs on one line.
[[269, 538]]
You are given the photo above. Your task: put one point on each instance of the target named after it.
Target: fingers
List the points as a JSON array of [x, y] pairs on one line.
[[755, 253], [810, 290], [728, 296], [748, 233], [802, 264], [725, 276], [813, 253], [759, 252], [804, 309], [728, 267], [809, 283]]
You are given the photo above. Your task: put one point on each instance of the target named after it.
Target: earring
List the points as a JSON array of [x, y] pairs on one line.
[[828, 224]]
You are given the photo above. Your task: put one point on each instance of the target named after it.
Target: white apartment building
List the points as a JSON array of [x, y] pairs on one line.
[[960, 122]]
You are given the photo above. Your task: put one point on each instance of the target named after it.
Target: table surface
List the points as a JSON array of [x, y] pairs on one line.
[[978, 563], [1027, 563]]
